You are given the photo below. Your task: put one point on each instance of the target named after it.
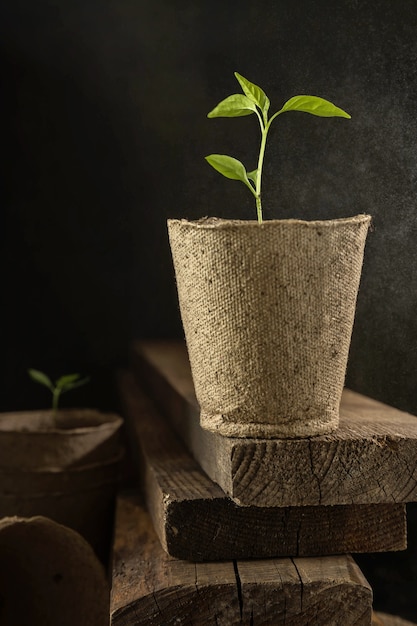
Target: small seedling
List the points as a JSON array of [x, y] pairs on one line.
[[254, 100], [62, 385]]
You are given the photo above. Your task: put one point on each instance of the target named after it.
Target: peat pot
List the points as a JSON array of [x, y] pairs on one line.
[[74, 437], [64, 468], [268, 312], [49, 576]]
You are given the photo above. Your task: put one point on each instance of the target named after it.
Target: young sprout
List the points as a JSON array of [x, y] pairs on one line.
[[62, 385], [254, 100]]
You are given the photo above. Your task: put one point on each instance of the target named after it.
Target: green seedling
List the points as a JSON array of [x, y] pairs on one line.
[[254, 100], [62, 385]]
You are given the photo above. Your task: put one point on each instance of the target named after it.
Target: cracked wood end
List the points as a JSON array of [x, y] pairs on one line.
[[370, 459], [196, 521], [150, 587]]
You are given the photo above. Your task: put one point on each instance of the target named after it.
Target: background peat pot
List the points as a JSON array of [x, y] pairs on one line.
[[268, 311], [44, 567], [74, 437], [64, 467]]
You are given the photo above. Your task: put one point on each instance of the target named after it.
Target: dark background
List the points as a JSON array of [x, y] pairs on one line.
[[104, 126]]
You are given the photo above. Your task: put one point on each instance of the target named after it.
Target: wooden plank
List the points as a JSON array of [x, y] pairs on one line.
[[195, 520], [370, 459], [151, 587]]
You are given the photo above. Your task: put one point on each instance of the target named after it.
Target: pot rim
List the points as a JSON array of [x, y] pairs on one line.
[[216, 223], [57, 471], [105, 421]]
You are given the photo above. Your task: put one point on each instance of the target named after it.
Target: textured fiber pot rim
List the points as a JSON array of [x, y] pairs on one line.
[[73, 471], [69, 421], [215, 223], [51, 482], [33, 439]]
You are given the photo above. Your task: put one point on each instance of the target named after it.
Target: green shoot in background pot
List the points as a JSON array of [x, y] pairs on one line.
[[254, 100], [63, 384]]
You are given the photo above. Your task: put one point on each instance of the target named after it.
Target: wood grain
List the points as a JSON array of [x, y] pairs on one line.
[[370, 459], [150, 587], [195, 520]]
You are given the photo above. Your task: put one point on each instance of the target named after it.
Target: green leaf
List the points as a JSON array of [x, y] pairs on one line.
[[315, 106], [254, 93], [41, 378], [79, 383], [72, 384], [234, 106], [253, 175], [66, 380], [228, 166]]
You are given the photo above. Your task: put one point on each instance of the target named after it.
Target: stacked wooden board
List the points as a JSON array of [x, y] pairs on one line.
[[151, 587], [298, 507]]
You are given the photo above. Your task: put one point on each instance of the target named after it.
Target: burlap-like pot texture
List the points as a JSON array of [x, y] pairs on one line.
[[268, 312], [74, 437]]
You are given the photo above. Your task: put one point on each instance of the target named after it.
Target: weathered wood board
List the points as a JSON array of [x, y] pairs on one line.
[[370, 459], [196, 521], [150, 587]]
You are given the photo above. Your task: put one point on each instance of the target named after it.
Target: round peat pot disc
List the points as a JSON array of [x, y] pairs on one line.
[[49, 576]]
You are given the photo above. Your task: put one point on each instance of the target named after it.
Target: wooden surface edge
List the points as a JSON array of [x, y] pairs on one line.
[[196, 521], [329, 472], [150, 587]]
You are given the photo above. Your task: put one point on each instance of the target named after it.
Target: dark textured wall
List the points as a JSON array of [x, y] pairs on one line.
[[104, 133], [105, 122]]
